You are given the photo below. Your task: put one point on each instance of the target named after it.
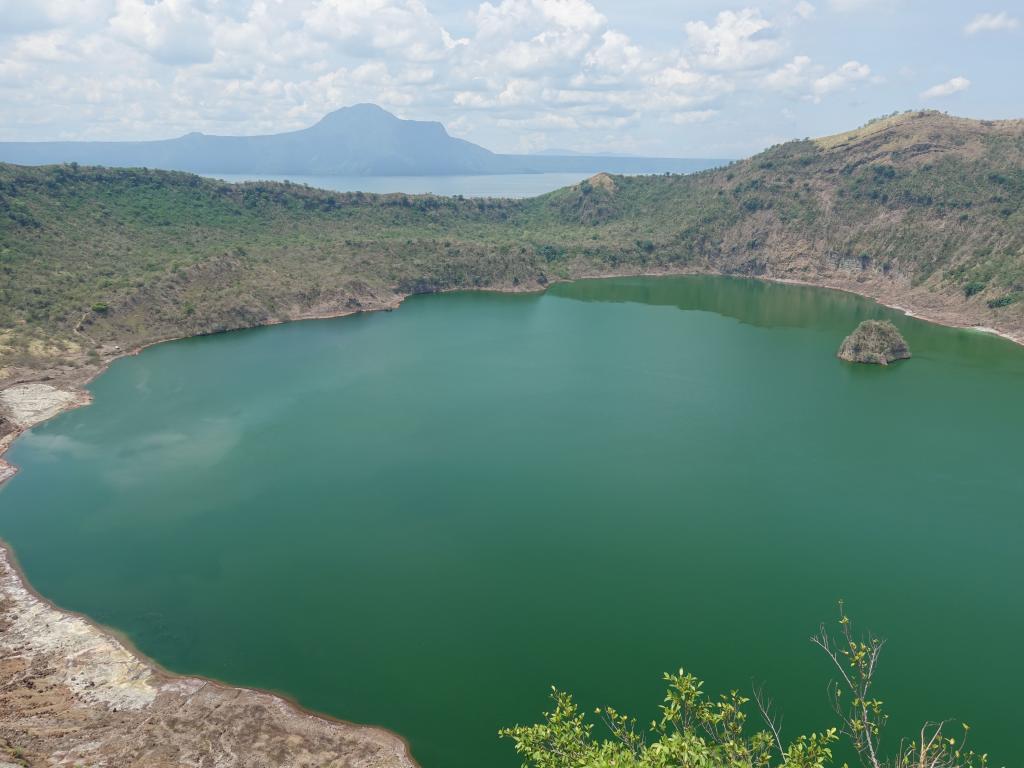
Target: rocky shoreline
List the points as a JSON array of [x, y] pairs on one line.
[[73, 694]]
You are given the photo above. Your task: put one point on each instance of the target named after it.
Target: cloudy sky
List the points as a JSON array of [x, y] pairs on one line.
[[671, 77]]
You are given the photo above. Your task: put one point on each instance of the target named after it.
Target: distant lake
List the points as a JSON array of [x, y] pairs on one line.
[[425, 518], [495, 185]]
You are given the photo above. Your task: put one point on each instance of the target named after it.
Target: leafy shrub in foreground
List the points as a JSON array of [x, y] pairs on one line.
[[697, 732]]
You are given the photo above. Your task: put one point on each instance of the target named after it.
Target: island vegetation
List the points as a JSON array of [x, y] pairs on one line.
[[876, 342], [696, 730]]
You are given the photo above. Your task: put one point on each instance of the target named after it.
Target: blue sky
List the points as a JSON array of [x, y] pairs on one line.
[[681, 78]]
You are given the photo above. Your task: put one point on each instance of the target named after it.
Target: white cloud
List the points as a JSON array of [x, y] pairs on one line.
[[173, 31], [531, 37], [401, 28], [847, 6], [848, 73], [569, 14], [801, 78], [616, 56], [804, 9], [693, 116], [948, 88], [991, 22], [21, 16], [51, 46], [678, 87], [574, 14], [737, 41], [790, 76]]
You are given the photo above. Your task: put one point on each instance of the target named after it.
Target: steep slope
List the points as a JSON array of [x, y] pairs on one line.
[[919, 206], [362, 140], [921, 210]]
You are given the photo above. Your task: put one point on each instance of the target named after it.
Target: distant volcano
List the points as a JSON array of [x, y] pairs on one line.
[[362, 140]]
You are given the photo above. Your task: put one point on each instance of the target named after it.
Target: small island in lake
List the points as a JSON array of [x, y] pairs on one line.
[[874, 341]]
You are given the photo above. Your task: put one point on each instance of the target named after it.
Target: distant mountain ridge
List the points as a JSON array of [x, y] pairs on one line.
[[362, 140]]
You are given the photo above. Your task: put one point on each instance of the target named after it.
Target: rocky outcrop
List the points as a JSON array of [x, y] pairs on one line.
[[874, 341], [72, 694], [29, 404]]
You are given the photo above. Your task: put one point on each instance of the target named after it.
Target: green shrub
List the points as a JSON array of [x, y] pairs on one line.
[[973, 287], [1002, 301], [550, 252]]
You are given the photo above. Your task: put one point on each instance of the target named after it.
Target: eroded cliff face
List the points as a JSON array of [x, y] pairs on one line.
[[876, 342], [72, 694]]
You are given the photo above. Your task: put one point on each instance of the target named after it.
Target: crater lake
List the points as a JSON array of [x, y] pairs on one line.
[[424, 519]]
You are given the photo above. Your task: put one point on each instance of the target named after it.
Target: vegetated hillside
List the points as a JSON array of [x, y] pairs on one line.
[[362, 140], [918, 209]]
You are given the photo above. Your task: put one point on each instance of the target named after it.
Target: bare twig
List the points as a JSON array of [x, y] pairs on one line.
[[764, 705]]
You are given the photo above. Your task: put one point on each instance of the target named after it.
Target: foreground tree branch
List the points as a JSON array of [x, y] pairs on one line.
[[696, 731]]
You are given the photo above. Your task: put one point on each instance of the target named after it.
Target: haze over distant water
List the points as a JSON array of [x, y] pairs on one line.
[[467, 185], [363, 140]]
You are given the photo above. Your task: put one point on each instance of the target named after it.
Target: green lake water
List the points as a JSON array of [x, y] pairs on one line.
[[425, 518]]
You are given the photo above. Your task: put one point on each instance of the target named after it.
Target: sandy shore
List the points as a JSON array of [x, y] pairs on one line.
[[993, 331], [73, 694]]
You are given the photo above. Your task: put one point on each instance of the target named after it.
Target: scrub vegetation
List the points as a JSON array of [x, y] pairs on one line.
[[876, 342], [695, 730], [920, 207]]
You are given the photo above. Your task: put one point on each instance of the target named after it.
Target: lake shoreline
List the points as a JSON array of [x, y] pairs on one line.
[[78, 396], [110, 648], [93, 679]]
